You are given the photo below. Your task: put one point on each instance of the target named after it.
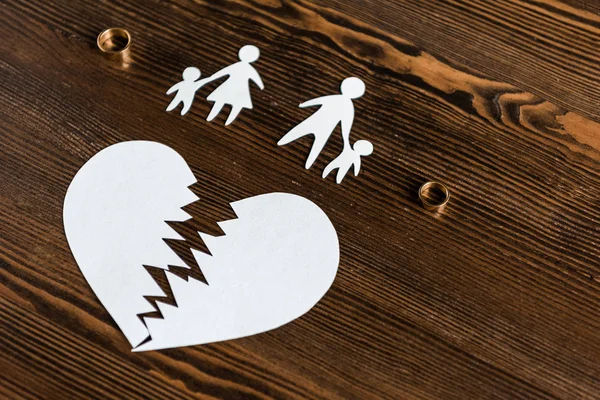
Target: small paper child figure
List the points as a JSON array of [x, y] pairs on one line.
[[186, 89], [348, 158], [235, 91], [335, 109]]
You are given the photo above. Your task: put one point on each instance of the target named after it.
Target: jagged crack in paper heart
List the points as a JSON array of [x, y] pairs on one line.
[[114, 215], [271, 265], [203, 220]]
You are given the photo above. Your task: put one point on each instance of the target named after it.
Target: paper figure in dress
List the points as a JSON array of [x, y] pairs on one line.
[[235, 91], [335, 109], [186, 89]]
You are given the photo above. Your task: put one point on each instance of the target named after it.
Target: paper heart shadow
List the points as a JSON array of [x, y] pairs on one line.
[[274, 263]]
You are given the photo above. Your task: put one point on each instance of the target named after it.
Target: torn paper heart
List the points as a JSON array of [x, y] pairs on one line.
[[273, 264]]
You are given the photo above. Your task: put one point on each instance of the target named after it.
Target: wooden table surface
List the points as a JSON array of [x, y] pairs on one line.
[[498, 297]]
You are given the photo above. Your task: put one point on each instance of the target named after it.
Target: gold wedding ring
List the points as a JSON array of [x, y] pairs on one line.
[[433, 195], [114, 43]]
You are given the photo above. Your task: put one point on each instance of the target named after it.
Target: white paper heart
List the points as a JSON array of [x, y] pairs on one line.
[[274, 263]]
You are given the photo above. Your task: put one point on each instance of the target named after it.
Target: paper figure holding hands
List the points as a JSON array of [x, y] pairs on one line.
[[335, 109], [186, 89], [235, 91], [348, 158]]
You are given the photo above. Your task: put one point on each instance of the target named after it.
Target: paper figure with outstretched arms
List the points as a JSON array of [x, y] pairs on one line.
[[334, 109], [186, 89], [234, 91]]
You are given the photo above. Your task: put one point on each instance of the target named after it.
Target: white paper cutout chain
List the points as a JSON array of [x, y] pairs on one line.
[[235, 91], [334, 109]]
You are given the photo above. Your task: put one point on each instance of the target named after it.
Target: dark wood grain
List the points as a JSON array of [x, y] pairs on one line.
[[498, 297]]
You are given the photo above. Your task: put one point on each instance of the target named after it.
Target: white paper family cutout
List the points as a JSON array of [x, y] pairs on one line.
[[235, 91], [274, 263], [334, 109]]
